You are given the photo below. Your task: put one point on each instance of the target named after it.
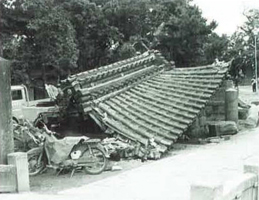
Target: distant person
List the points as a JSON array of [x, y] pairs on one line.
[[253, 82]]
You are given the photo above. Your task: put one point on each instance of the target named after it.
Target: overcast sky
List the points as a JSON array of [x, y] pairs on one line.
[[228, 13]]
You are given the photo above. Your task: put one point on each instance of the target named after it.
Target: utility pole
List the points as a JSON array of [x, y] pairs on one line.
[[256, 88], [6, 126], [6, 132]]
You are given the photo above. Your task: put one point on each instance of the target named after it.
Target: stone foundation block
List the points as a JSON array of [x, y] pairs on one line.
[[19, 160], [219, 128], [7, 178]]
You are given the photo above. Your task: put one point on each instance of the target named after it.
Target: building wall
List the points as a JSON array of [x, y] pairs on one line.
[[214, 111]]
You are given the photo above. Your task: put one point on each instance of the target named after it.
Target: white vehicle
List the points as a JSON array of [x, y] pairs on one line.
[[23, 108]]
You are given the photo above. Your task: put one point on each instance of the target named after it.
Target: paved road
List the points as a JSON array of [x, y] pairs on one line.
[[168, 178]]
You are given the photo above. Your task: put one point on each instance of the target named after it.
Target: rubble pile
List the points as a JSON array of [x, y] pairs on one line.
[[252, 119], [119, 148], [26, 136]]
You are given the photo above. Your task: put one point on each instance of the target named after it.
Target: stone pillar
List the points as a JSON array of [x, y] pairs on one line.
[[20, 161], [6, 133], [228, 84], [206, 191], [231, 105]]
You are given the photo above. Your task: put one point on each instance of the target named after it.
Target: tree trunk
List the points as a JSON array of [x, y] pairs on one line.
[[6, 132]]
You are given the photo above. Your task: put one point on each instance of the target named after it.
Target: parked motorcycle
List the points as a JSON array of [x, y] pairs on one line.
[[68, 153]]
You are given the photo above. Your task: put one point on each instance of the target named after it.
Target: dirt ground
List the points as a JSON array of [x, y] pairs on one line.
[[246, 94], [48, 182]]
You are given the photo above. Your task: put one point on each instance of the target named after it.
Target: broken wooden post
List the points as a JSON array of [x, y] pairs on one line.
[[231, 105], [20, 161], [206, 191], [6, 133]]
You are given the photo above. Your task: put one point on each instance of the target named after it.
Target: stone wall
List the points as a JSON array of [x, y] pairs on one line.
[[213, 111]]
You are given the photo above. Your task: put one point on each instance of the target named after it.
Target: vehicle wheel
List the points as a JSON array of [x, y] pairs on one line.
[[35, 161], [95, 159]]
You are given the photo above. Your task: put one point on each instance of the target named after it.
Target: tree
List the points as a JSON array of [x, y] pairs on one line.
[[78, 35], [37, 34], [94, 35], [166, 25], [216, 48], [53, 42], [186, 34], [241, 47]]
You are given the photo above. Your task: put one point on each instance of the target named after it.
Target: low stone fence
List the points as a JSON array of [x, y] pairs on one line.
[[14, 177], [242, 187]]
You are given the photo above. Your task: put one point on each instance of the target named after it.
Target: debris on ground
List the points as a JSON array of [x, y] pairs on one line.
[[118, 148], [219, 128], [253, 117], [243, 104], [243, 109], [255, 103], [26, 136], [216, 139], [113, 166], [116, 168]]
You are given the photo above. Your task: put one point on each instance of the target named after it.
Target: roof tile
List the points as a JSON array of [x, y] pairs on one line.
[[140, 98]]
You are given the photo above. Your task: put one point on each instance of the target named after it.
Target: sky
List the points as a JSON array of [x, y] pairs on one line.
[[227, 13]]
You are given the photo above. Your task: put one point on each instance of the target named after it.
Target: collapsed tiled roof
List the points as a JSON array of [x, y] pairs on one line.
[[142, 98]]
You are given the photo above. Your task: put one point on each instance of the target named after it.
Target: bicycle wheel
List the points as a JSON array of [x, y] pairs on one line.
[[35, 162], [94, 160]]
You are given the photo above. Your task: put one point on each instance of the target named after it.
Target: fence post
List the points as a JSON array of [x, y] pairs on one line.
[[206, 191], [252, 166]]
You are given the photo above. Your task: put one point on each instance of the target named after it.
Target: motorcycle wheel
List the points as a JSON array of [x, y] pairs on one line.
[[35, 165], [97, 159]]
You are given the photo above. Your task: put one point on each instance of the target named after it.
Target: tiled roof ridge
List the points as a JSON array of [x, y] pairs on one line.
[[116, 70], [118, 63], [116, 89], [109, 80], [216, 66], [120, 90]]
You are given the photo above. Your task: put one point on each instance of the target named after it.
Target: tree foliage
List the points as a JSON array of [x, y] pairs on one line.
[[78, 35], [241, 47]]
